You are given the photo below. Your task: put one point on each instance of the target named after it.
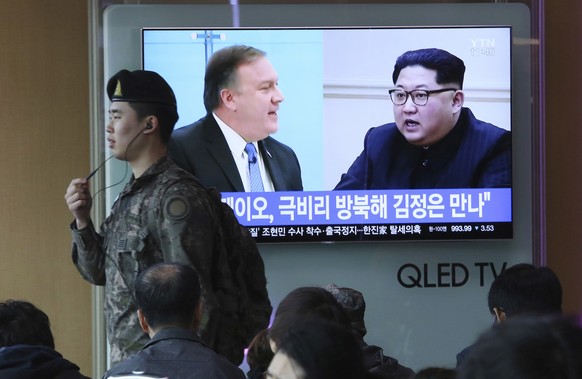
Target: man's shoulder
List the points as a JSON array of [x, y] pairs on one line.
[[195, 129], [164, 355], [383, 131], [380, 137], [176, 181], [484, 128]]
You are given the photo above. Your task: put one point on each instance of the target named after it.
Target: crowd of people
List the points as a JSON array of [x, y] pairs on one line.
[[185, 284], [316, 333]]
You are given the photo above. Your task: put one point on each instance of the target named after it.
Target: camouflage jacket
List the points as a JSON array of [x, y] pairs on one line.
[[165, 204]]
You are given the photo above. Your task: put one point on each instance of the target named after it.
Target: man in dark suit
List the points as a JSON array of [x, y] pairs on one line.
[[241, 97], [435, 141]]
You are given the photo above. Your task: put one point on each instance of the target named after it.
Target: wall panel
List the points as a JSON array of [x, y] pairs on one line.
[[44, 144]]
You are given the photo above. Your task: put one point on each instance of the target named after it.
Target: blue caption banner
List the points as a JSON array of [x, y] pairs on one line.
[[371, 207]]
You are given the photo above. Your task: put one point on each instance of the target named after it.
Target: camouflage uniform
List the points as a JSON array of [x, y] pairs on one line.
[[165, 204]]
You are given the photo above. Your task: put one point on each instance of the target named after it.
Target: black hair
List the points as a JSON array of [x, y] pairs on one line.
[[167, 116], [527, 347], [323, 350], [23, 323], [168, 294], [303, 302], [526, 289], [221, 71], [449, 68]]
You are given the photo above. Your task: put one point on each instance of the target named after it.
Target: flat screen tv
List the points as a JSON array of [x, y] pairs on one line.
[[336, 83]]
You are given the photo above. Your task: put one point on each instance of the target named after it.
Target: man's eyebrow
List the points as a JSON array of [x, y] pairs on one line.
[[419, 86]]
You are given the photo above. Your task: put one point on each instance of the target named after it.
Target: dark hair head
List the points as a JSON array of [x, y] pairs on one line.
[[527, 347], [526, 289], [449, 68], [324, 350], [306, 302], [23, 323], [168, 294], [221, 71]]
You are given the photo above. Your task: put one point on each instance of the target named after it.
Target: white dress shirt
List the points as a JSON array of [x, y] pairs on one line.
[[237, 145]]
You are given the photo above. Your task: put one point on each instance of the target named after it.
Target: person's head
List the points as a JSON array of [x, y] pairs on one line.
[[241, 87], [142, 102], [352, 301], [304, 302], [422, 115], [21, 323], [525, 289], [436, 373], [259, 353], [527, 347], [315, 349], [167, 295]]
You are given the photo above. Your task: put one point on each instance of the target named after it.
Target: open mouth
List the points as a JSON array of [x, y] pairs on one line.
[[411, 124]]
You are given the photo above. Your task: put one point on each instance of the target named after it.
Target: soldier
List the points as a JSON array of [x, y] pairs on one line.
[[162, 215]]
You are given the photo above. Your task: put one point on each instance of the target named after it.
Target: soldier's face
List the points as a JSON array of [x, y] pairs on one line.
[[123, 130]]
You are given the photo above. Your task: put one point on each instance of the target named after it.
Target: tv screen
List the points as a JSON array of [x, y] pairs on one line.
[[336, 84]]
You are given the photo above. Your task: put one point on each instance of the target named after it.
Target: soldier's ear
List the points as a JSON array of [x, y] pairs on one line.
[[143, 322]]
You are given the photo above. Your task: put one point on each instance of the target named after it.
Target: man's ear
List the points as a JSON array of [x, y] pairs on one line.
[[197, 317], [499, 314], [458, 101], [151, 124], [227, 96], [143, 322]]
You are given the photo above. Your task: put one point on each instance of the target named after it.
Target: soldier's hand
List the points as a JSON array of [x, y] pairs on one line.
[[79, 201]]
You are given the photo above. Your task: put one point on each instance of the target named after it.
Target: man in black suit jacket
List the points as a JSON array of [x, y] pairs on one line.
[[242, 97], [434, 142]]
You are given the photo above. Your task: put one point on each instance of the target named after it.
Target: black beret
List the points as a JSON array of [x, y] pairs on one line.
[[140, 86]]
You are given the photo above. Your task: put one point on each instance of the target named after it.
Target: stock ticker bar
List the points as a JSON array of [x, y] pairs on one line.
[[374, 214], [384, 232]]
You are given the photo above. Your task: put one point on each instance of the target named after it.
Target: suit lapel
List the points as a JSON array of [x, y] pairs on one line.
[[272, 166], [218, 149]]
